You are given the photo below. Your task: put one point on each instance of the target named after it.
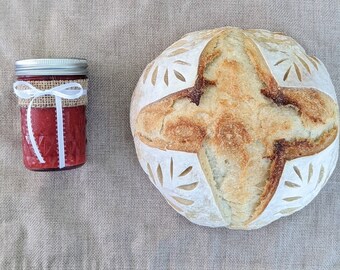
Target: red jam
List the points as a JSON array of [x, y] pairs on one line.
[[44, 127]]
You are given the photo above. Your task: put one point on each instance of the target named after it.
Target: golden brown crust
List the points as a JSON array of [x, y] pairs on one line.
[[314, 107], [259, 63], [150, 120], [153, 114], [208, 55], [185, 134], [184, 121], [300, 148], [180, 134], [230, 133], [285, 151]]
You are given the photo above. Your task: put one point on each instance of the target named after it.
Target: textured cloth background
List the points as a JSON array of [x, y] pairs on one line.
[[107, 214]]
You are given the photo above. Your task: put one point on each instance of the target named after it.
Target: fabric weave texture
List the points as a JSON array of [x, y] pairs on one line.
[[107, 214]]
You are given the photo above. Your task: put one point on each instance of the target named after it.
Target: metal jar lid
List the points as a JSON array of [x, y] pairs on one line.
[[51, 66]]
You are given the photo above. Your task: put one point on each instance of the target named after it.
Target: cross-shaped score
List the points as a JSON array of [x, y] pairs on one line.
[[239, 121]]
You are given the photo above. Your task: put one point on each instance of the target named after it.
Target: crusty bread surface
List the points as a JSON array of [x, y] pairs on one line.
[[242, 125]]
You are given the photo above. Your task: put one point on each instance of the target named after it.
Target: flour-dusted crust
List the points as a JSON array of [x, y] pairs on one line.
[[231, 111]]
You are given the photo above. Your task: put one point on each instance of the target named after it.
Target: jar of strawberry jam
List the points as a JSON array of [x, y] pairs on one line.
[[52, 97]]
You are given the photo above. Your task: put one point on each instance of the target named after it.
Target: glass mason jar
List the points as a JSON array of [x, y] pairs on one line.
[[59, 132]]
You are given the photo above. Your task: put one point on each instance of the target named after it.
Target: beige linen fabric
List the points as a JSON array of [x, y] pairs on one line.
[[107, 214]]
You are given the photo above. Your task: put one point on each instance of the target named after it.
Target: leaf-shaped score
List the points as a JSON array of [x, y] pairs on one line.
[[179, 75], [183, 201], [280, 61], [287, 73], [291, 184], [154, 76], [177, 52], [160, 175], [314, 61], [291, 199], [185, 172], [150, 173], [321, 174], [298, 72], [310, 172], [166, 77], [297, 171], [189, 186], [171, 168], [182, 63], [303, 62], [289, 211]]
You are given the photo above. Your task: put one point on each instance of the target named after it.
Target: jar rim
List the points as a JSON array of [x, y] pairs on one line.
[[51, 66]]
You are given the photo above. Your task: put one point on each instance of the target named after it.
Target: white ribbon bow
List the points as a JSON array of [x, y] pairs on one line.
[[59, 92]]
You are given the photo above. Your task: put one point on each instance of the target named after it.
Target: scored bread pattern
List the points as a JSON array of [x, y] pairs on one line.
[[168, 189], [302, 179], [177, 74], [174, 69], [179, 176], [156, 73], [297, 63], [182, 183], [291, 55], [174, 50], [299, 182]]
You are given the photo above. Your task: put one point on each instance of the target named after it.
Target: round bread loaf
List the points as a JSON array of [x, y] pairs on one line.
[[236, 128]]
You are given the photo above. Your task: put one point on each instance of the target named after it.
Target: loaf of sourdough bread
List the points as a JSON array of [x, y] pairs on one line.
[[236, 128]]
